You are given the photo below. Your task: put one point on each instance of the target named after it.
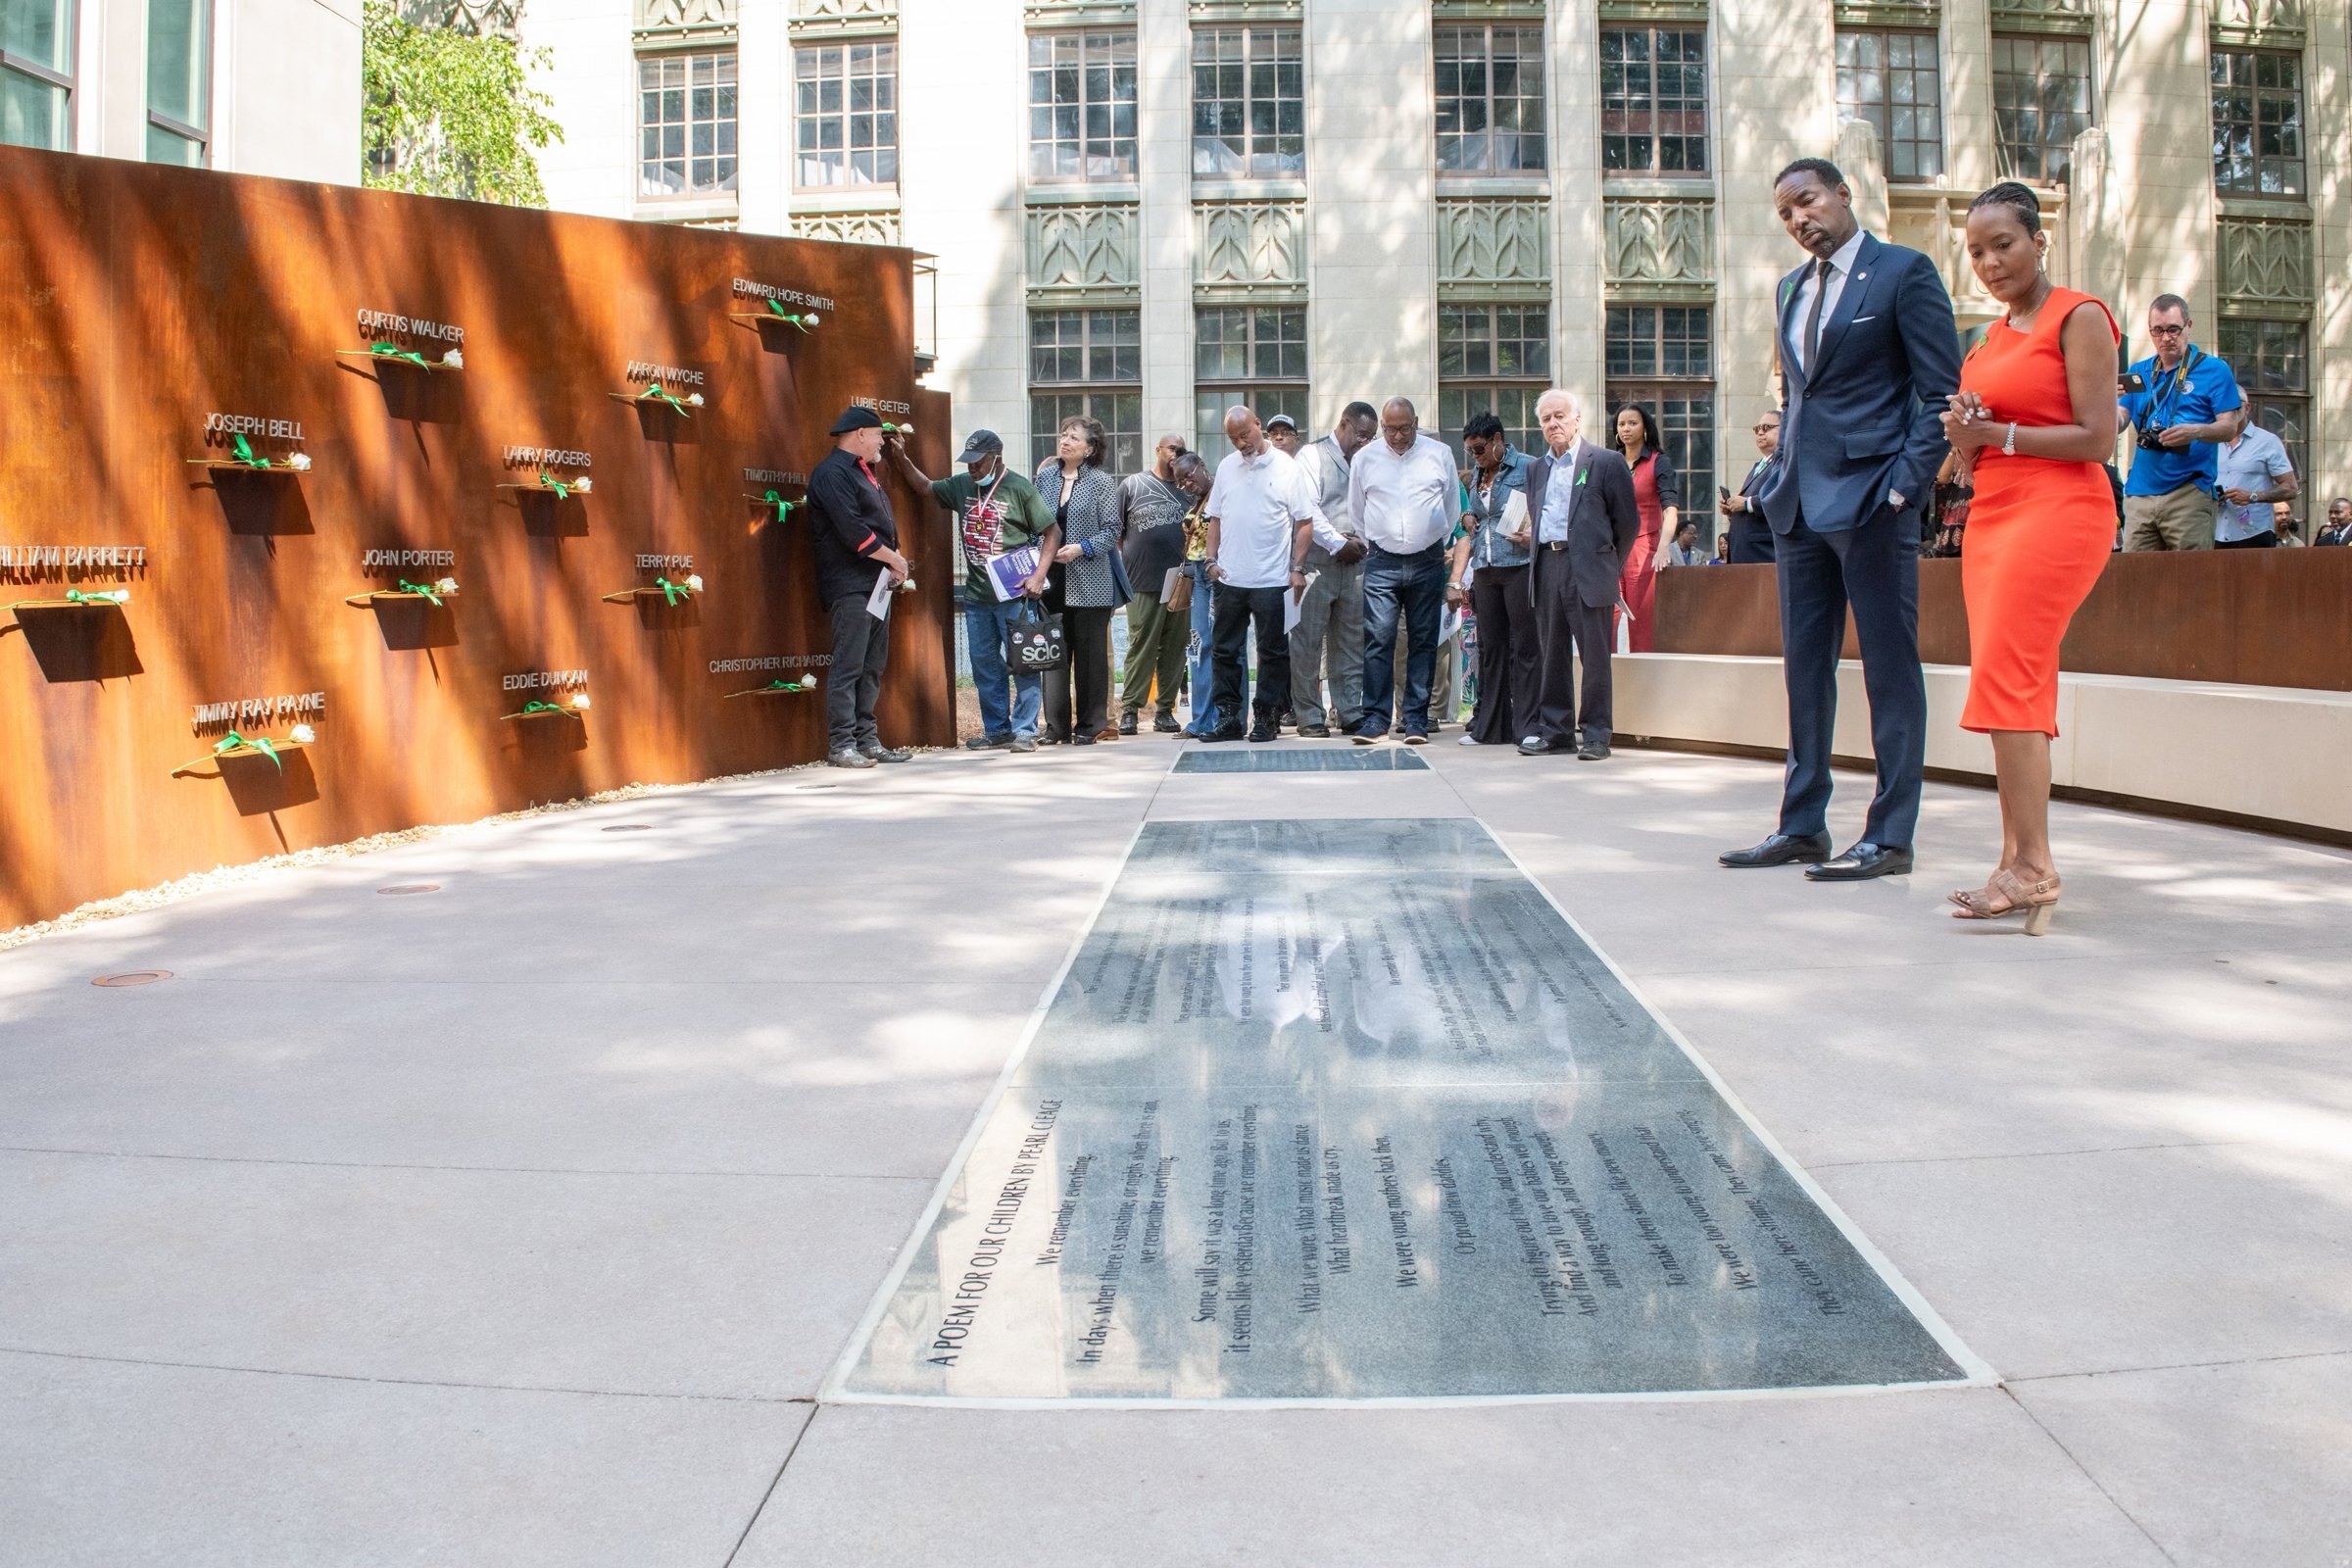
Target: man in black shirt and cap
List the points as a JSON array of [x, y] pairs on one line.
[[855, 538]]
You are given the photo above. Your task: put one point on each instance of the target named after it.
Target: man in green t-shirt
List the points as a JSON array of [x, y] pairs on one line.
[[998, 513]]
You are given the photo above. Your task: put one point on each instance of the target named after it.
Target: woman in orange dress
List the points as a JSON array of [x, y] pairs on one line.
[[2036, 417]]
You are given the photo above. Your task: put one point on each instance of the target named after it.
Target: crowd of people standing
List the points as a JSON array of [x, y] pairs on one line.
[[1349, 563]]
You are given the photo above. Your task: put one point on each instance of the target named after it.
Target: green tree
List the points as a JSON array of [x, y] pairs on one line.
[[448, 113]]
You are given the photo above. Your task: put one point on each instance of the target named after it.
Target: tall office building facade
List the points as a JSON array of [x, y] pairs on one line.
[[1147, 210]]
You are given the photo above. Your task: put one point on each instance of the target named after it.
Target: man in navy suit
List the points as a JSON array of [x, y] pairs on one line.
[[1581, 518], [1870, 356]]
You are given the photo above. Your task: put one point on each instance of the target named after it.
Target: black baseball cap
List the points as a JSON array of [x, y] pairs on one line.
[[1282, 418], [982, 444], [858, 417]]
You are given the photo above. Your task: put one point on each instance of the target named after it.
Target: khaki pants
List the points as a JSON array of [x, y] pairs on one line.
[[2178, 519]]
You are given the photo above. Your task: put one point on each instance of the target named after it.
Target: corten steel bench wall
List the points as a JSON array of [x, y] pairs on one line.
[[135, 299], [2248, 617]]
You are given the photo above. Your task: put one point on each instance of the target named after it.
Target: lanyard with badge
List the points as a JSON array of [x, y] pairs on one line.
[[977, 512], [2156, 419]]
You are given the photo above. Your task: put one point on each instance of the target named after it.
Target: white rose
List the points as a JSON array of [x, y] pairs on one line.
[[694, 584], [582, 484], [810, 318], [694, 399], [580, 700], [300, 463], [121, 596], [447, 585], [455, 358], [302, 734]]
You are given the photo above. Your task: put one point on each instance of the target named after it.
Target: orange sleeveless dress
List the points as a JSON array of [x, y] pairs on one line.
[[2039, 531]]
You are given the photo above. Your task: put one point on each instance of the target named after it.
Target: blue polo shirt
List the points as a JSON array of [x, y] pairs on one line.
[[2197, 394]]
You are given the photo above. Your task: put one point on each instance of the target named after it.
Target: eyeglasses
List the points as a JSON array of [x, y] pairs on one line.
[[2166, 331], [1759, 429]]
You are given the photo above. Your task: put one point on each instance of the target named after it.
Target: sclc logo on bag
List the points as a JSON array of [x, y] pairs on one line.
[[1037, 643]]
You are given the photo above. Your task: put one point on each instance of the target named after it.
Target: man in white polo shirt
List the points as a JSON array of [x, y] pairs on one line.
[[1406, 496], [1262, 514]]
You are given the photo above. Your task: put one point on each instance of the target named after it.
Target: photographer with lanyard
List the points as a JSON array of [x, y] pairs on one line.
[[2180, 404]]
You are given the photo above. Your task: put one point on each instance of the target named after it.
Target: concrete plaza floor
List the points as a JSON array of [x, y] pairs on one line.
[[519, 1222]]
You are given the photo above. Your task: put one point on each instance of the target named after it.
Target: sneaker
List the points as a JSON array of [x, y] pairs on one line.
[[1024, 743], [1416, 737], [1369, 734], [1126, 723], [988, 743], [1315, 732], [1165, 725], [1467, 740], [1265, 730], [1080, 740], [848, 760], [885, 754]]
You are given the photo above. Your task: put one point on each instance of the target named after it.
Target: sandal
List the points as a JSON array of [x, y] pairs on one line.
[[2006, 894]]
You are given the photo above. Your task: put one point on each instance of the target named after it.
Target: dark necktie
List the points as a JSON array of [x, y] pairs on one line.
[[1821, 297]]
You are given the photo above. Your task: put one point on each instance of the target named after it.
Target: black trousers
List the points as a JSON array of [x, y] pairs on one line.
[[1084, 679], [1564, 622], [860, 648], [1511, 657], [1873, 570], [1238, 610], [1751, 539], [2260, 541]]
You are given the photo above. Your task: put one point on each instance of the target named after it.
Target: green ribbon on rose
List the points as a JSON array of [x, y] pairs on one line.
[[535, 707], [234, 743], [393, 351], [547, 481], [420, 591], [654, 389], [778, 685], [105, 596], [672, 592], [781, 504], [786, 319], [245, 453]]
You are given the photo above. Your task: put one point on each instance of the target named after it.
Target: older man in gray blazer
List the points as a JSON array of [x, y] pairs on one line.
[[1583, 518]]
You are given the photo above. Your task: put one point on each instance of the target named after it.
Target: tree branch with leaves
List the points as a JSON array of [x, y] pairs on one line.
[[446, 113]]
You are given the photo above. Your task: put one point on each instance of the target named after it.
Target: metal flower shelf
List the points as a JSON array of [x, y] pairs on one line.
[[76, 599], [548, 484], [669, 593], [406, 592], [233, 745], [573, 707], [394, 354], [776, 316], [777, 688], [244, 460], [656, 393]]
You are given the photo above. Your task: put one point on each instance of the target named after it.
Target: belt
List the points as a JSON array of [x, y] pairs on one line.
[[1556, 544]]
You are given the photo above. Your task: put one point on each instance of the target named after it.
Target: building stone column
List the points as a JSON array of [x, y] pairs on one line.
[[2328, 83], [1372, 206], [1775, 99], [1165, 169], [1578, 266], [2159, 114], [963, 108], [1971, 131]]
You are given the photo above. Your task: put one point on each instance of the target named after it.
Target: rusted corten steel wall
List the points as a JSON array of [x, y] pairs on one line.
[[150, 317]]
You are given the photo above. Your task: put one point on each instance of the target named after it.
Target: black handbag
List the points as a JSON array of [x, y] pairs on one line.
[[1037, 641]]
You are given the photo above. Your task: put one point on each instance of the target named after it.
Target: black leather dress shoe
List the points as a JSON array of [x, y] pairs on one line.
[[1861, 862], [1536, 746], [1782, 849], [1223, 732]]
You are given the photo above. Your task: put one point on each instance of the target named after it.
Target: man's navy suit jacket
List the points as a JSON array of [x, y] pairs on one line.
[[1866, 416]]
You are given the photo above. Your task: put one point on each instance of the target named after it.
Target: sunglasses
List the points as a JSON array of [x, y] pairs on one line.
[[1759, 429]]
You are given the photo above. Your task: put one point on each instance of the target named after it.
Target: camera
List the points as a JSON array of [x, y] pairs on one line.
[[2149, 442]]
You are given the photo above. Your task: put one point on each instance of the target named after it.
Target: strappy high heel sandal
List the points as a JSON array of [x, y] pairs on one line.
[[2006, 894]]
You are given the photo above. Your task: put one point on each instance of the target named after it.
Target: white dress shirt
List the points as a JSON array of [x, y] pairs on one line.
[[1405, 504], [1560, 493], [1841, 268], [1258, 503]]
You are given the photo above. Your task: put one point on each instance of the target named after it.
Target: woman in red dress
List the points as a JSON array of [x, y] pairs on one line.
[[1658, 497], [2035, 417]]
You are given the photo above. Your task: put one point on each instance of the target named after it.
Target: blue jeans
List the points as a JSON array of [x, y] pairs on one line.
[[984, 634], [1413, 586], [1196, 651]]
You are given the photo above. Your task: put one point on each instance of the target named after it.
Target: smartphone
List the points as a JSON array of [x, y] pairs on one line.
[[1722, 493], [2132, 381]]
